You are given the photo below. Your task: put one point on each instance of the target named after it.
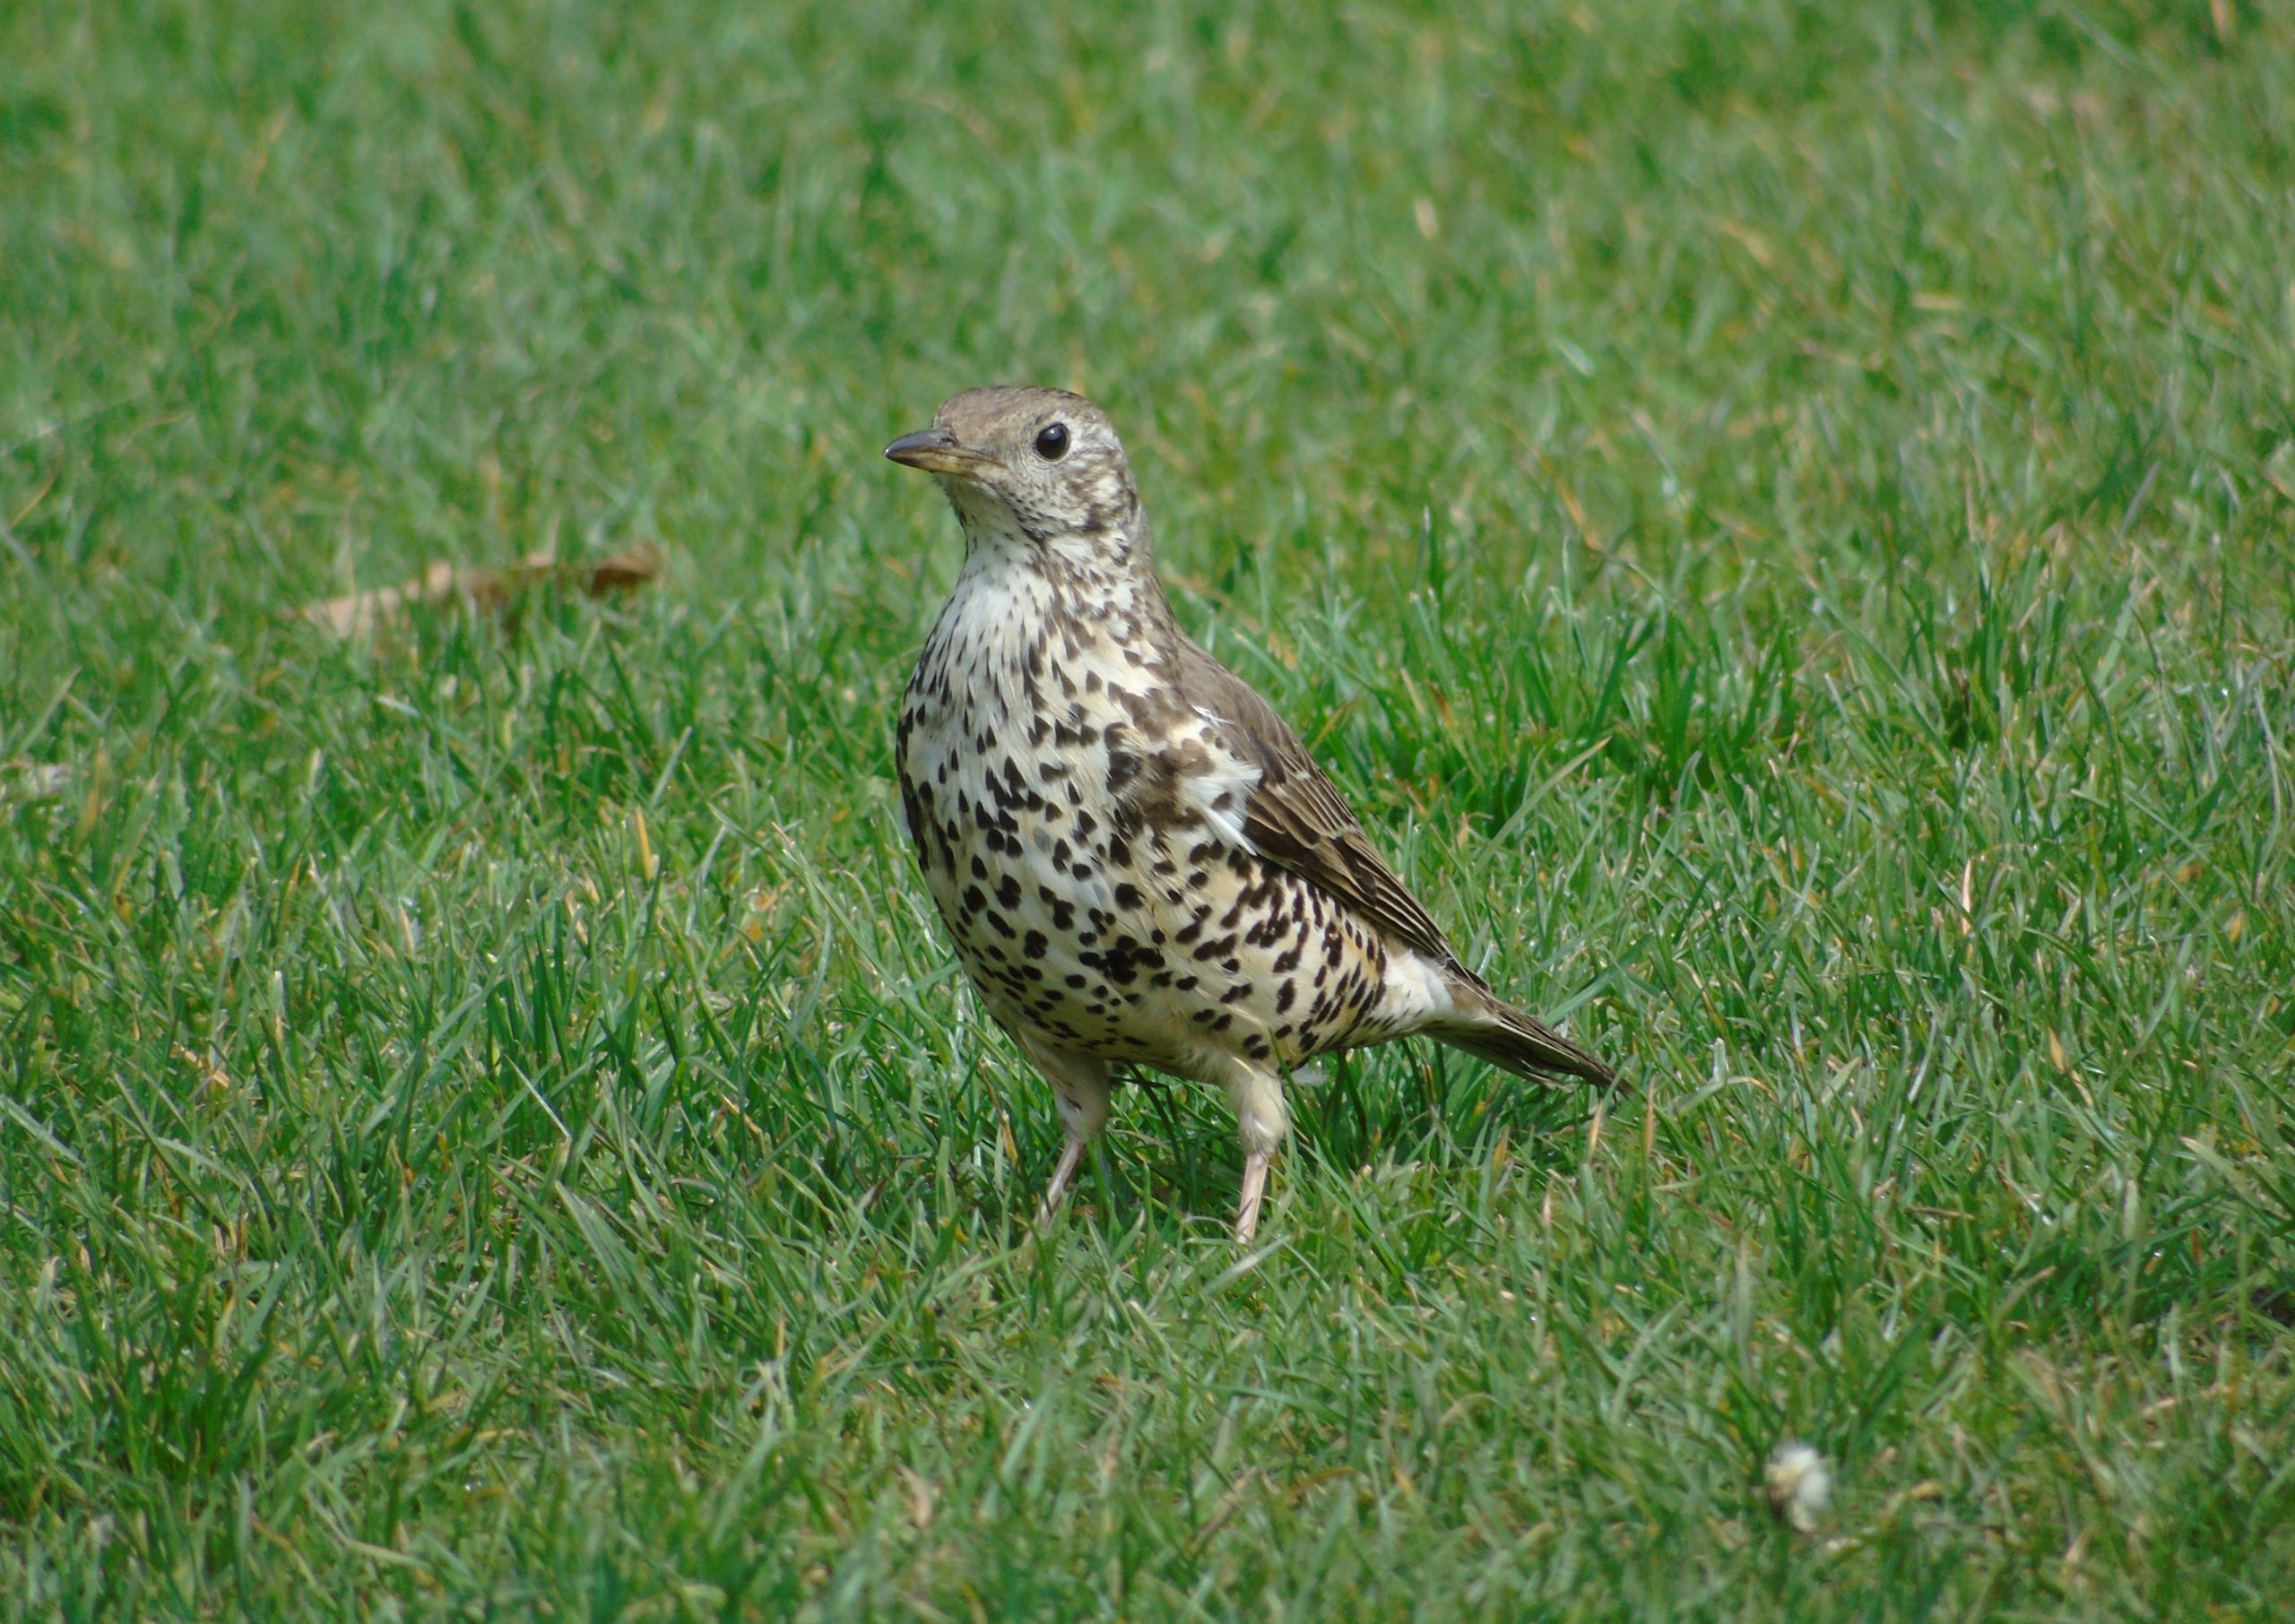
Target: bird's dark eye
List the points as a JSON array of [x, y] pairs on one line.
[[1051, 443]]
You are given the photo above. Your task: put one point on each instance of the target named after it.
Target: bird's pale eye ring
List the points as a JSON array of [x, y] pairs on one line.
[[1051, 442]]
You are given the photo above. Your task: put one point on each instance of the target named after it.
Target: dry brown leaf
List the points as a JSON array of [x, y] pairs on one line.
[[357, 614]]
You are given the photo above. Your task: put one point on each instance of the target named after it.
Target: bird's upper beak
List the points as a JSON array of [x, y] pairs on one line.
[[936, 451]]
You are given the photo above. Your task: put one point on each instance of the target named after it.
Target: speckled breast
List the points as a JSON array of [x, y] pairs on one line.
[[1089, 924]]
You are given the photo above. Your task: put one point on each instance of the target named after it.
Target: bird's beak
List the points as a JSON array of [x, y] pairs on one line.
[[936, 451]]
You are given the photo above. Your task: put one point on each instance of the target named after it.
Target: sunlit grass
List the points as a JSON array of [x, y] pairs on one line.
[[1781, 517]]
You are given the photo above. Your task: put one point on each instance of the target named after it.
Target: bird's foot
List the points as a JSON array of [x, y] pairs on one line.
[[1070, 1153], [1254, 1189]]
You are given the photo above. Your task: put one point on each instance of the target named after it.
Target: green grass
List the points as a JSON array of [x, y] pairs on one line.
[[1779, 515]]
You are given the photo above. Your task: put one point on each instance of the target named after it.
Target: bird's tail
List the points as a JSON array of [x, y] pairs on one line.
[[1491, 1029]]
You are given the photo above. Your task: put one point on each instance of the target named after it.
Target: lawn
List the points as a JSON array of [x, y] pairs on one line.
[[1782, 518]]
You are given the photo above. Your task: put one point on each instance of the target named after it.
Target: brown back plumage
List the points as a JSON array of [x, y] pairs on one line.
[[1297, 819]]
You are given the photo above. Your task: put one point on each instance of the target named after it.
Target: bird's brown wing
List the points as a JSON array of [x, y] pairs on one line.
[[1295, 816]]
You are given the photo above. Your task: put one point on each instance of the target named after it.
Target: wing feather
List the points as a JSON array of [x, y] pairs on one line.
[[1295, 816]]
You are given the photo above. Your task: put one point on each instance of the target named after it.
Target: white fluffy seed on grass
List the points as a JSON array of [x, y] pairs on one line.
[[1800, 1485]]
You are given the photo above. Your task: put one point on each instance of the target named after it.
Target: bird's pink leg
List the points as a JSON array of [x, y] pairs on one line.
[[1080, 1088], [1254, 1189], [1070, 1153]]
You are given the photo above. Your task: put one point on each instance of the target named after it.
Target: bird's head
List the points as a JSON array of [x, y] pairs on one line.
[[1041, 466]]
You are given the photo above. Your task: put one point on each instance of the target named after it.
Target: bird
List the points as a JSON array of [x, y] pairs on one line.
[[1137, 861]]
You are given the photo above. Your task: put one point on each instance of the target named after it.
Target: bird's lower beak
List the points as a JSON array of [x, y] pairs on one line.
[[936, 451]]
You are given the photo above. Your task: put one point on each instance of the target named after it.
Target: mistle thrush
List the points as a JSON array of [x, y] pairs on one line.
[[1138, 861]]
